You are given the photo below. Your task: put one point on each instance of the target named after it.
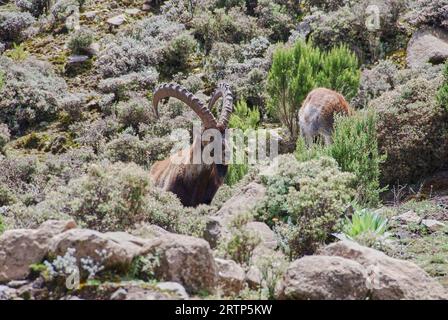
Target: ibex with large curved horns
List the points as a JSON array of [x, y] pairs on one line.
[[316, 116], [193, 183]]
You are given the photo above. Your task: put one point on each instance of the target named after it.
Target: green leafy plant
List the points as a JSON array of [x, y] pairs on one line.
[[242, 242], [365, 221], [2, 79], [2, 226], [296, 71], [243, 118], [17, 53], [442, 94]]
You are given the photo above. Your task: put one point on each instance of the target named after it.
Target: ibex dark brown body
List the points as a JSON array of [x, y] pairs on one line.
[[194, 184]]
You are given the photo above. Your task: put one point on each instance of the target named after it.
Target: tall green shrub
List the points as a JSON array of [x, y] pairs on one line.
[[355, 148], [243, 118], [296, 70], [442, 95]]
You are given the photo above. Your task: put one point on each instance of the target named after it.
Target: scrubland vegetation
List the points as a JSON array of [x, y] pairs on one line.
[[78, 133]]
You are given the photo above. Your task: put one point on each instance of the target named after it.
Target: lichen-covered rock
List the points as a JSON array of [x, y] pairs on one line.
[[230, 276], [390, 278], [428, 45], [22, 247], [120, 247], [262, 230], [244, 201], [323, 278], [254, 278], [184, 259]]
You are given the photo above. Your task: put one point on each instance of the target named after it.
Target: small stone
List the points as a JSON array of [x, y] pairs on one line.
[[433, 225], [93, 49], [132, 11], [174, 287], [117, 20], [254, 278], [90, 14], [146, 7], [409, 217], [17, 283], [230, 276], [75, 59], [120, 294]]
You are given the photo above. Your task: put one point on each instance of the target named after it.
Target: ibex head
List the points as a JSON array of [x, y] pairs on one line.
[[204, 112]]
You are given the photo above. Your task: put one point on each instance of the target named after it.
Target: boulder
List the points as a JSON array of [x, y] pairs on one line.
[[389, 278], [262, 230], [117, 20], [173, 288], [408, 217], [433, 225], [323, 278], [428, 45], [230, 276], [139, 293], [254, 278], [22, 247], [183, 259], [120, 248], [246, 200]]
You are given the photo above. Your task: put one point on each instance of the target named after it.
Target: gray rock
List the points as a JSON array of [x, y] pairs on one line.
[[7, 293], [323, 278], [389, 278], [77, 59], [120, 294], [91, 15], [175, 288], [254, 278], [231, 276], [17, 283], [262, 230], [132, 11], [22, 247], [428, 45], [184, 259], [409, 217], [120, 247], [217, 226], [117, 20], [433, 225]]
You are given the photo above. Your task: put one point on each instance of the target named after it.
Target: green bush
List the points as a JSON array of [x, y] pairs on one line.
[[243, 118], [442, 94], [412, 131], [80, 41], [355, 148], [242, 242], [296, 71], [305, 200], [178, 52], [116, 197], [2, 226]]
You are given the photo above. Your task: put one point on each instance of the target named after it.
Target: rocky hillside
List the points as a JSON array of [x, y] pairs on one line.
[[363, 218]]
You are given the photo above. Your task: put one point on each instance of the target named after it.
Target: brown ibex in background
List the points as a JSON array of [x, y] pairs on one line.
[[316, 116], [193, 184]]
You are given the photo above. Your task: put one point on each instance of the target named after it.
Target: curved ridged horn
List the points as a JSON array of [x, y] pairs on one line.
[[174, 90], [223, 91]]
